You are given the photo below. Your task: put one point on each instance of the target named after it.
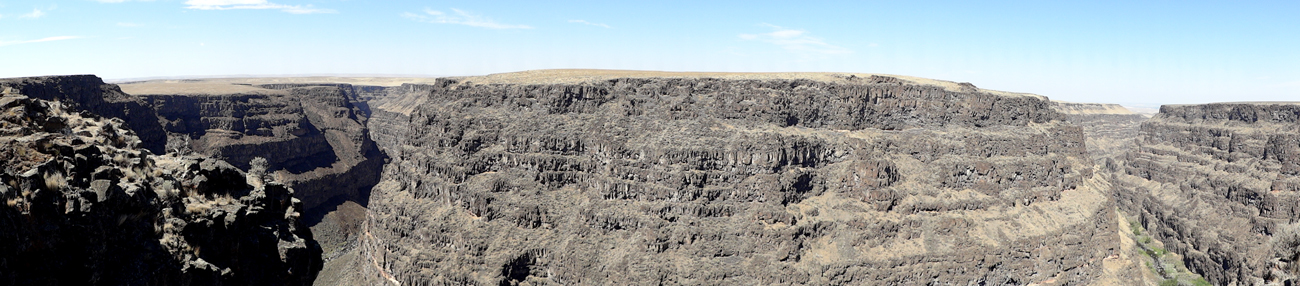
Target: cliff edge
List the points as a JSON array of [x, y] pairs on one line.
[[85, 203]]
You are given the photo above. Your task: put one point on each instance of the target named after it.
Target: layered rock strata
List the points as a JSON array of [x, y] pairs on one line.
[[1215, 183], [391, 111], [312, 136], [1110, 128], [85, 204], [547, 177]]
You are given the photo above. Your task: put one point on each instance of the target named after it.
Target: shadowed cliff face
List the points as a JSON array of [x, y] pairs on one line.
[[710, 181], [1215, 183], [312, 136], [85, 204]]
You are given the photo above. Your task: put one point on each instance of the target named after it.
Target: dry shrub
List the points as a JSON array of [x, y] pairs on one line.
[[1286, 248]]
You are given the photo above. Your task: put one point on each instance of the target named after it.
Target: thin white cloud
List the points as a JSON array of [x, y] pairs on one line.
[[461, 18], [36, 13], [584, 22], [49, 39], [252, 4], [120, 1], [797, 41]]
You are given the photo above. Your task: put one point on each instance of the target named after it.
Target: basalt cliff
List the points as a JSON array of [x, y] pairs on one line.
[[540, 178], [312, 137], [565, 177], [87, 204], [1218, 184], [1110, 128]]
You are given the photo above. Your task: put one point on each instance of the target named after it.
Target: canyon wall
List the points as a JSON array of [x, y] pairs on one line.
[[313, 137], [1110, 128], [85, 203], [91, 94], [622, 177], [748, 179], [391, 110], [1216, 183]]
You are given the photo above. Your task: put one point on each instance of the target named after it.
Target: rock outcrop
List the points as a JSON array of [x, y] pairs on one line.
[[86, 204], [90, 93], [1215, 183], [313, 137], [551, 177]]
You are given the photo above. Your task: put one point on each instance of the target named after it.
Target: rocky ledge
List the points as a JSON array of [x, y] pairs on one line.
[[91, 94], [85, 204]]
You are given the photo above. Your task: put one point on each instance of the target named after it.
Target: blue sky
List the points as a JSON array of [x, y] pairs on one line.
[[1085, 51]]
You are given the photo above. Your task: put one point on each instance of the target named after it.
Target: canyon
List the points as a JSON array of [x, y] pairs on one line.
[[87, 203], [1218, 184], [312, 137], [631, 177]]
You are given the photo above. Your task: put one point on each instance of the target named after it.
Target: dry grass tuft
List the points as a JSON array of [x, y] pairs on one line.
[[55, 181]]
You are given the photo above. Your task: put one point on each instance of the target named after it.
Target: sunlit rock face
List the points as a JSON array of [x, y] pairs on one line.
[[754, 179], [1216, 183], [89, 93], [1111, 129]]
